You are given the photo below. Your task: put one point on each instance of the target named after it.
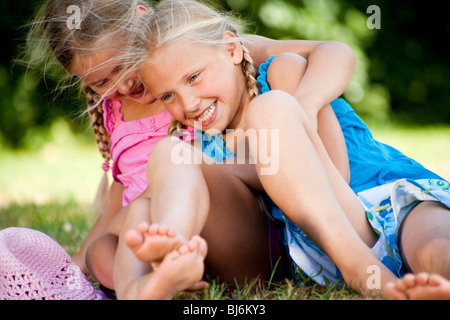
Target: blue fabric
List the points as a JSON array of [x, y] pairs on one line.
[[214, 146], [262, 78], [372, 163]]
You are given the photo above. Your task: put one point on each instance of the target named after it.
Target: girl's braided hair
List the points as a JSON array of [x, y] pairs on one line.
[[95, 111], [60, 34]]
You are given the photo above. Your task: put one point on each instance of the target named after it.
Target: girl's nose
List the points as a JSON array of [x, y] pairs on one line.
[[191, 105], [125, 86]]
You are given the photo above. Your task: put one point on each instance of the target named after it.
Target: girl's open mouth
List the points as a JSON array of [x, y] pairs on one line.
[[209, 115], [137, 92]]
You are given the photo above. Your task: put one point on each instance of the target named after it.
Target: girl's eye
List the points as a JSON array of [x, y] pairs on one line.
[[167, 97], [101, 84], [193, 77]]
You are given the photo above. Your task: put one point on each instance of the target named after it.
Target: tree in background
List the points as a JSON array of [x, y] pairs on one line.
[[402, 66]]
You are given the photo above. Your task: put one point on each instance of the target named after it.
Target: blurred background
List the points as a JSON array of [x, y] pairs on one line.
[[401, 88], [402, 73]]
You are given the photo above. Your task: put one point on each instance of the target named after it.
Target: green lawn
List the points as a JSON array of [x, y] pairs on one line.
[[430, 146], [51, 189]]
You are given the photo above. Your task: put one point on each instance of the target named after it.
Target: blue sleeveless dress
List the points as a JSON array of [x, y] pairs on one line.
[[372, 163], [388, 184]]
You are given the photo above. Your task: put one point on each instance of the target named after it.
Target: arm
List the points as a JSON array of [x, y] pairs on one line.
[[285, 73], [329, 71]]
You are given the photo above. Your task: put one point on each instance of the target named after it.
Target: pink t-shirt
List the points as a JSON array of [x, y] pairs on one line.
[[131, 144]]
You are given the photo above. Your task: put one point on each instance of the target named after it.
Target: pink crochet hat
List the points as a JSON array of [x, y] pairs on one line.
[[35, 267]]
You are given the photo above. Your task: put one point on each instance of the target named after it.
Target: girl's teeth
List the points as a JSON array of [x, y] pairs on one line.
[[138, 89], [205, 116]]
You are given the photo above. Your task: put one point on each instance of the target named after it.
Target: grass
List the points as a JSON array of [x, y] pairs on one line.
[[430, 145], [51, 189], [284, 290]]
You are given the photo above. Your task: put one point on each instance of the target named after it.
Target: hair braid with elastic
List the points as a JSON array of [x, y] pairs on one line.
[[95, 111]]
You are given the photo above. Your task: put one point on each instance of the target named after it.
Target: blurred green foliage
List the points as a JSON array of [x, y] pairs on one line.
[[402, 71]]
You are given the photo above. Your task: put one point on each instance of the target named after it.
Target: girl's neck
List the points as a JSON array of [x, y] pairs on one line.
[[133, 111]]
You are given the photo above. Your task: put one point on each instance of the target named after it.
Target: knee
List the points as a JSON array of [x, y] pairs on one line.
[[99, 258], [171, 151], [272, 109], [162, 149]]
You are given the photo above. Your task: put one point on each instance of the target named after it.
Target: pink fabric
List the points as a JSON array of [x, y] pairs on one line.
[[131, 145], [35, 267]]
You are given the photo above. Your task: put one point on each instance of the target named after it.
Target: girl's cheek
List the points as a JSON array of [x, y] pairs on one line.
[[176, 112]]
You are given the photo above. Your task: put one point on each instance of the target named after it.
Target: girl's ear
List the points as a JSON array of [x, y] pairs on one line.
[[141, 11], [234, 47]]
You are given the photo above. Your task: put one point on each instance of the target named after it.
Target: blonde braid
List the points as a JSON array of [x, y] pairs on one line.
[[95, 111], [175, 125], [250, 72]]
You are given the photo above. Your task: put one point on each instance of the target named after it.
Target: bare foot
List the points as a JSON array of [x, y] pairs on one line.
[[180, 270], [423, 286], [150, 243]]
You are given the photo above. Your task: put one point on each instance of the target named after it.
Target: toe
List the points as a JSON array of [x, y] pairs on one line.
[[391, 292]]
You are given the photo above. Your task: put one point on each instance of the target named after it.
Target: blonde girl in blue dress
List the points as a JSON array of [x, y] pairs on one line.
[[374, 168], [198, 67]]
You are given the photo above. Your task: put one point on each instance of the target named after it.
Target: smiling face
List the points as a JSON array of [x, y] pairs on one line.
[[200, 85], [100, 68], [98, 73]]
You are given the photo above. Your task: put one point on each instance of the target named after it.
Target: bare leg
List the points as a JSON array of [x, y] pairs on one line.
[[100, 258], [101, 252], [235, 230], [179, 270], [127, 267], [188, 200], [426, 247], [210, 200], [310, 190], [426, 239]]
